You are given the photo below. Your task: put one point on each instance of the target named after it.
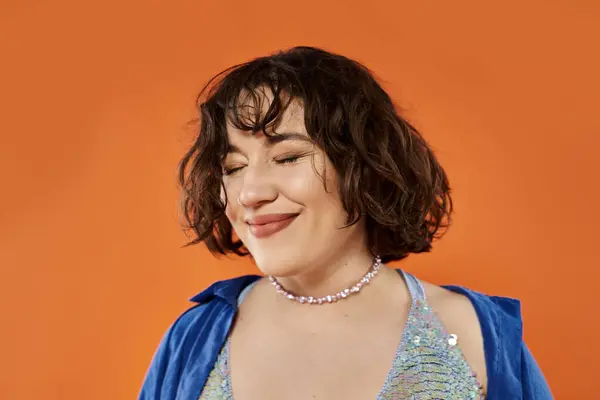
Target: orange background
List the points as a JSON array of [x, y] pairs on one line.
[[94, 100]]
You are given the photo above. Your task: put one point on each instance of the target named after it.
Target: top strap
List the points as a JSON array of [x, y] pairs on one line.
[[415, 288], [245, 292]]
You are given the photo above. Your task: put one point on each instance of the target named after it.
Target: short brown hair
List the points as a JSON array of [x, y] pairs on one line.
[[386, 171]]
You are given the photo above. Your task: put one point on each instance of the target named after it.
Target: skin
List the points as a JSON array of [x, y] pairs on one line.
[[282, 349]]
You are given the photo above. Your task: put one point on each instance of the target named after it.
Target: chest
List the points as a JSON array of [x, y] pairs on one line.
[[299, 362], [413, 359]]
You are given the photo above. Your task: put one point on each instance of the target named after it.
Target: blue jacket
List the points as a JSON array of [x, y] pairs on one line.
[[190, 347]]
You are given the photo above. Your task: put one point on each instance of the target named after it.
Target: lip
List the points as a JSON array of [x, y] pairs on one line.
[[269, 224]]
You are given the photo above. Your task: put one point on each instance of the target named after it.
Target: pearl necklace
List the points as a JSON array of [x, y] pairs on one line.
[[332, 298]]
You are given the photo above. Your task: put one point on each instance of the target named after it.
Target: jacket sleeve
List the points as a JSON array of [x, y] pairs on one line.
[[534, 384], [160, 379], [166, 373]]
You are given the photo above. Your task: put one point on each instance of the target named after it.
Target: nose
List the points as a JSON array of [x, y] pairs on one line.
[[258, 187]]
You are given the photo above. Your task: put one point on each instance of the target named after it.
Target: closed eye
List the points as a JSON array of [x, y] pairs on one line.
[[292, 158], [230, 171], [288, 160]]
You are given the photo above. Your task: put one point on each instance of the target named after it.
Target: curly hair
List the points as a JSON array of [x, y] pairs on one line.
[[387, 173]]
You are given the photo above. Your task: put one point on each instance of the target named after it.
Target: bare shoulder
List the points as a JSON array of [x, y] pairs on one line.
[[460, 318]]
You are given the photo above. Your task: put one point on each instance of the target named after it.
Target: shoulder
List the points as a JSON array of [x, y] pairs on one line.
[[512, 369], [203, 326], [213, 305], [500, 317], [487, 309], [492, 331]]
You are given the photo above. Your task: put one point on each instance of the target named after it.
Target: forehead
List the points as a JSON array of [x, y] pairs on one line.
[[258, 110], [254, 118]]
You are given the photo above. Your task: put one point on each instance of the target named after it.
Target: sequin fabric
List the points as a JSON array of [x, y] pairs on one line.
[[218, 384], [428, 363]]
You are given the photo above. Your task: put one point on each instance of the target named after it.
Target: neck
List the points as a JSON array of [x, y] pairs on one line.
[[329, 277]]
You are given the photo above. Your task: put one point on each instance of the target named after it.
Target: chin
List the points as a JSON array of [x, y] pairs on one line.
[[279, 267], [279, 270]]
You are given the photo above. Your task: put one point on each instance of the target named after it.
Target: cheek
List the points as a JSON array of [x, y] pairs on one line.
[[308, 186], [230, 190], [233, 214]]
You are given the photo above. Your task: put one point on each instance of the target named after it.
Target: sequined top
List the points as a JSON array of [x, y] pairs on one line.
[[428, 363]]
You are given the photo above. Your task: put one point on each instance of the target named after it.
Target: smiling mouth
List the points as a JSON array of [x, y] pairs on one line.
[[270, 228]]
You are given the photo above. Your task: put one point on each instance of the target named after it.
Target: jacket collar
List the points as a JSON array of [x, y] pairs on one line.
[[227, 290]]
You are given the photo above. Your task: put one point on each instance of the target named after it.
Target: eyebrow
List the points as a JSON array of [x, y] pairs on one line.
[[274, 139]]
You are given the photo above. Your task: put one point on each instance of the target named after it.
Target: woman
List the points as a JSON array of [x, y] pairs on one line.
[[303, 163]]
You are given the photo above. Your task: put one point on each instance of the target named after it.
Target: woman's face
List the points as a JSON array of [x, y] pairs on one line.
[[277, 202]]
